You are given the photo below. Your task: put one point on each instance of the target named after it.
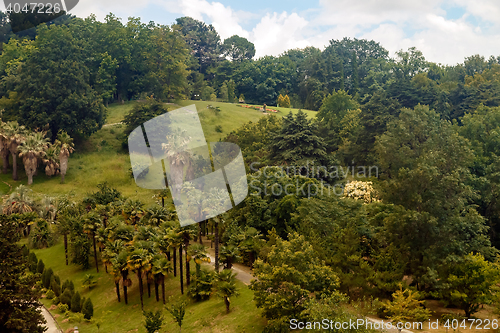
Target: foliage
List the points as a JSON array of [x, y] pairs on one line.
[[406, 306], [361, 191], [76, 302], [20, 293], [177, 310], [153, 321], [88, 309], [41, 236], [201, 286], [289, 277], [50, 294], [89, 281], [470, 282]]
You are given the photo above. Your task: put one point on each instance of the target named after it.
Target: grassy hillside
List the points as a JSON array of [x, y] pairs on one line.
[[102, 158], [115, 317]]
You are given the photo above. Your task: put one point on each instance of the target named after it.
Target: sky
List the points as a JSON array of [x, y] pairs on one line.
[[446, 31]]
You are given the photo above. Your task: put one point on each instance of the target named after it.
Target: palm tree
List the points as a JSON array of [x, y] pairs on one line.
[[4, 147], [228, 255], [186, 234], [31, 150], [20, 201], [92, 223], [66, 146], [199, 254], [215, 202], [226, 286], [51, 161], [14, 134], [173, 238], [120, 263], [161, 267], [133, 211], [139, 261], [178, 156]]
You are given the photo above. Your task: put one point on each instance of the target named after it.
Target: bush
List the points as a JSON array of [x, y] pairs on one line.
[[63, 308], [88, 309], [56, 300], [32, 262], [201, 286], [218, 129], [66, 297], [41, 236], [46, 277], [68, 284], [40, 266], [50, 294], [153, 321], [75, 318], [76, 302]]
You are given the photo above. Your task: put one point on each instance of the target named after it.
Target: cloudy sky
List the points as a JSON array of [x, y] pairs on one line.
[[446, 31]]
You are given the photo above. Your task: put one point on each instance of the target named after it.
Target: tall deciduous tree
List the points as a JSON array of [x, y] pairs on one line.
[[238, 48], [54, 88]]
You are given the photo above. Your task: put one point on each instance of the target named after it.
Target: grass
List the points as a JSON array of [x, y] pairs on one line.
[[116, 317], [284, 111], [117, 111]]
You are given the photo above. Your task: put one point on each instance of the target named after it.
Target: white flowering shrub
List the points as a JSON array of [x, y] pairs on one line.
[[361, 191]]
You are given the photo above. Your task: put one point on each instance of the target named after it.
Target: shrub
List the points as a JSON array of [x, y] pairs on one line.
[[50, 294], [75, 302], [66, 297], [63, 308], [218, 129], [46, 277], [201, 286], [40, 266], [56, 287], [41, 236], [56, 300], [68, 284], [88, 309], [32, 262], [154, 321], [75, 318]]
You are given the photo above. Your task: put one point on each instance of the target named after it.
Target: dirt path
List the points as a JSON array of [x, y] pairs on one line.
[[106, 125], [51, 325]]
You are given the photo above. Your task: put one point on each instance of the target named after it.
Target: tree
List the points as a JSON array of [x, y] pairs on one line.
[[226, 286], [76, 302], [15, 135], [405, 307], [228, 255], [199, 254], [178, 310], [238, 48], [139, 261], [470, 283], [54, 86], [153, 321], [120, 263], [296, 143], [32, 150], [106, 78], [88, 309], [291, 276], [161, 267], [66, 146], [51, 161], [20, 292]]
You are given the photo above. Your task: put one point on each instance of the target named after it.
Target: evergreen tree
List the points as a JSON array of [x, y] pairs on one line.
[[88, 309], [20, 308], [40, 267], [76, 305]]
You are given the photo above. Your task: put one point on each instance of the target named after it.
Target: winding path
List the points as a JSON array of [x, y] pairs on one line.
[[52, 326]]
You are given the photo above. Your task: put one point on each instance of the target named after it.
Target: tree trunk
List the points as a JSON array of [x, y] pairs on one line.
[[156, 291], [141, 287], [216, 247], [175, 262], [5, 158], [188, 273], [149, 289], [180, 269], [63, 166], [163, 289], [95, 254], [124, 278], [14, 166], [226, 300], [168, 255], [117, 285], [66, 247]]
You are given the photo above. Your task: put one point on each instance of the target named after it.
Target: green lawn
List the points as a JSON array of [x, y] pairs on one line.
[[284, 111], [116, 317]]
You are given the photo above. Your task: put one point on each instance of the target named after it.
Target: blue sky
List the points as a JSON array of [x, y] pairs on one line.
[[446, 31]]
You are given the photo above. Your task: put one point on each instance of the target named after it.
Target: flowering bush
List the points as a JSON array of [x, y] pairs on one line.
[[361, 191]]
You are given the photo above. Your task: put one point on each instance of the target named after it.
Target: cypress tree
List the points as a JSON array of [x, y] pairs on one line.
[[88, 309], [75, 302]]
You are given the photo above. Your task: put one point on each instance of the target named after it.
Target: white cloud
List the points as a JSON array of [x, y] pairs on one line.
[[277, 33]]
